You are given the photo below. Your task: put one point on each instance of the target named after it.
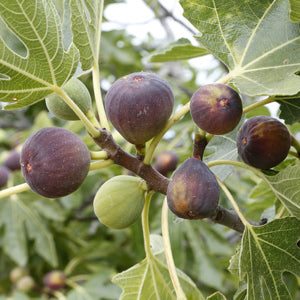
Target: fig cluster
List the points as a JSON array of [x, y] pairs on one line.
[[139, 105], [21, 279], [263, 142], [193, 192], [54, 162]]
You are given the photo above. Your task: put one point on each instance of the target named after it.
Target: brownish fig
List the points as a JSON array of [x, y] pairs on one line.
[[263, 142], [166, 162], [139, 105], [216, 108], [193, 192], [54, 162]]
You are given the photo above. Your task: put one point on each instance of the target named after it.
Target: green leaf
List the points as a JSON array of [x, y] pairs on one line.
[[295, 10], [289, 108], [28, 79], [285, 186], [179, 50], [21, 222], [150, 279], [255, 39], [266, 252], [86, 22]]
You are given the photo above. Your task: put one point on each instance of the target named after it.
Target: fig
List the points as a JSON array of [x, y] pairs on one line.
[[78, 92], [4, 173], [17, 273], [263, 142], [12, 161], [54, 162], [193, 192], [139, 105], [119, 201], [166, 162], [25, 284], [216, 108], [55, 280]]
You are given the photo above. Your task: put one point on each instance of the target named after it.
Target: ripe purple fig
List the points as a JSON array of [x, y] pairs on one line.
[[263, 142], [193, 192], [54, 162], [12, 161], [4, 173], [216, 108], [166, 162], [55, 280], [139, 105]]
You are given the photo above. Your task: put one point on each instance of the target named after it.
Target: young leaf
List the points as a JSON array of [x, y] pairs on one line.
[[295, 10], [255, 39], [179, 50], [28, 79], [150, 279], [86, 22], [266, 252]]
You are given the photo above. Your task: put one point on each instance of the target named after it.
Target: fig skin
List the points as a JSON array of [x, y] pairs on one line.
[[166, 162], [139, 105], [216, 108], [4, 173], [119, 201], [78, 92], [54, 162], [263, 142], [55, 280], [193, 192], [12, 161]]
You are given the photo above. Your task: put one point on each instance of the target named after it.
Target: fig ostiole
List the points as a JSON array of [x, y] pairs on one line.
[[119, 201], [193, 192], [216, 108], [80, 95], [263, 142], [54, 162], [138, 105]]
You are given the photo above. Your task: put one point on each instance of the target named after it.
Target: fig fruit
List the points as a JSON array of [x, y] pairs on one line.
[[216, 108], [25, 284], [193, 192], [78, 92], [17, 273], [12, 161], [166, 162], [139, 105], [263, 142], [4, 173], [54, 162], [119, 201], [55, 280]]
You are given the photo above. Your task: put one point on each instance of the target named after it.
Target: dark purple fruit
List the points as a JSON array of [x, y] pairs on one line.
[[263, 142], [54, 162], [4, 173], [55, 280], [139, 105], [166, 162], [12, 161], [216, 108], [193, 192]]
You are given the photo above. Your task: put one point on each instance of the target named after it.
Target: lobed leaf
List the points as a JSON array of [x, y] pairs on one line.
[[28, 79], [289, 108], [295, 10], [255, 39], [266, 253]]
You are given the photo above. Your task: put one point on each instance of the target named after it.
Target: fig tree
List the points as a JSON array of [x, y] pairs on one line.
[[54, 162], [78, 92], [139, 105], [193, 192], [119, 201], [263, 142], [216, 108]]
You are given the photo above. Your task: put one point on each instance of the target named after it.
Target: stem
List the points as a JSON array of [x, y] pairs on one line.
[[101, 164], [145, 224], [295, 144], [168, 250], [225, 78], [14, 190], [95, 155], [168, 125], [258, 104]]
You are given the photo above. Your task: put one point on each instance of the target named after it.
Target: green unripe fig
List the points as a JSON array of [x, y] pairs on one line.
[[17, 273], [119, 201], [25, 284], [78, 92]]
